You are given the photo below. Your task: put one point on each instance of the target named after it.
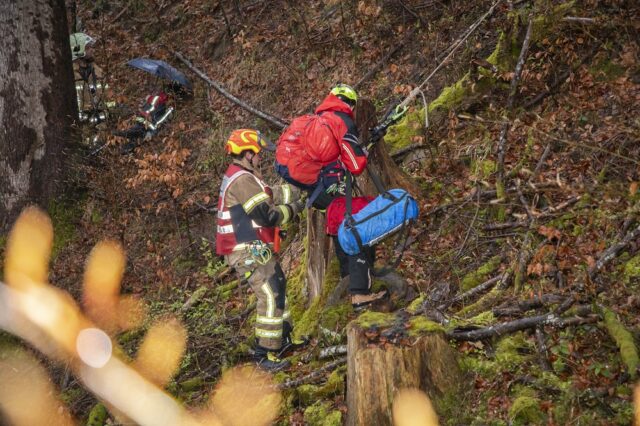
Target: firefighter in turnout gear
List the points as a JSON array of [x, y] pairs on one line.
[[91, 89], [248, 213]]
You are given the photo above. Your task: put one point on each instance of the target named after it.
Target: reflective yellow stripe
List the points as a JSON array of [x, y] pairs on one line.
[[267, 320], [254, 201], [268, 333], [285, 214], [286, 194], [286, 315], [271, 306]]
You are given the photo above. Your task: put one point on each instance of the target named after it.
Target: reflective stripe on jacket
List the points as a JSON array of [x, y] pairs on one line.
[[234, 226]]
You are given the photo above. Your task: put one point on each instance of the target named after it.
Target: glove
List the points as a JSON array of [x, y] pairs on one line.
[[296, 207]]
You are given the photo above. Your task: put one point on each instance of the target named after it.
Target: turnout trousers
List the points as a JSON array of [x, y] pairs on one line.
[[269, 284]]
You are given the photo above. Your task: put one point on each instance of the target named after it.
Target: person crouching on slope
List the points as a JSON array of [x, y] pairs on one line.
[[314, 153], [247, 217]]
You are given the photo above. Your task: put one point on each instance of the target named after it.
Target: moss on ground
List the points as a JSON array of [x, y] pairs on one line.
[[416, 304], [64, 217], [321, 414], [480, 275], [632, 270], [513, 351], [97, 415], [624, 340], [525, 410], [335, 385], [318, 313]]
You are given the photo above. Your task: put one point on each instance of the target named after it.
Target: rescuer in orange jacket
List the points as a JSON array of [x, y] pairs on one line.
[[316, 146], [248, 213]]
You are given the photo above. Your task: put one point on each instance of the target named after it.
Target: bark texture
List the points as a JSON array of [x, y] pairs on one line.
[[319, 251], [375, 373], [37, 102]]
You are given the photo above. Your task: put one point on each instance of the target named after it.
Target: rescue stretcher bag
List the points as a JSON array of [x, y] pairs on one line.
[[388, 213]]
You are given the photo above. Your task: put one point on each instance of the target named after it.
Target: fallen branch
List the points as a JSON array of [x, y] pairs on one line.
[[313, 376], [542, 350], [579, 19], [122, 12], [415, 92], [332, 351], [278, 122], [402, 151], [498, 330], [548, 212], [609, 254], [502, 140], [526, 305], [470, 294]]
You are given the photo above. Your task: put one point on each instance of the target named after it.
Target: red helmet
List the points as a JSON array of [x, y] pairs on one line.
[[242, 140]]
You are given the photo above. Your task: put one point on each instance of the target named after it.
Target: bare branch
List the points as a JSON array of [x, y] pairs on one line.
[[313, 376], [278, 122]]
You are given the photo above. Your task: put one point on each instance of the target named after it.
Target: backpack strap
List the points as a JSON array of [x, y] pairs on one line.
[[348, 217], [401, 245]]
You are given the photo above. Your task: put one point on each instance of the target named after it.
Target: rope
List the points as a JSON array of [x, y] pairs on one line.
[[452, 49]]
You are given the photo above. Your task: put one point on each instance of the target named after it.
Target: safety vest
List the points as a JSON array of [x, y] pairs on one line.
[[227, 239]]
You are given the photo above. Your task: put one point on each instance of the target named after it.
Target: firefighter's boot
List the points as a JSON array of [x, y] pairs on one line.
[[268, 360], [362, 301], [289, 343]]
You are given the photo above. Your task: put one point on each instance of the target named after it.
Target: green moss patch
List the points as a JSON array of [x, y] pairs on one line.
[[64, 216], [624, 340], [421, 325], [320, 414], [480, 275], [370, 319], [525, 410], [632, 270], [331, 317], [513, 351]]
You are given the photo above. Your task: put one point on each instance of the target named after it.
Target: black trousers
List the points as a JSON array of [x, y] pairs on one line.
[[357, 266]]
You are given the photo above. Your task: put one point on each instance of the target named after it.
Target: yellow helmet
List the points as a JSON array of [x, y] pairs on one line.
[[346, 93], [242, 140]]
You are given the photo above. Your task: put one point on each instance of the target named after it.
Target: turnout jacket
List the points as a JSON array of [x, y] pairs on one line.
[[247, 209]]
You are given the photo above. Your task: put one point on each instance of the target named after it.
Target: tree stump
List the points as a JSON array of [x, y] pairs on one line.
[[380, 363]]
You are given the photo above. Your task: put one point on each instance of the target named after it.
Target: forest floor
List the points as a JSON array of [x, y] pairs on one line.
[[567, 226]]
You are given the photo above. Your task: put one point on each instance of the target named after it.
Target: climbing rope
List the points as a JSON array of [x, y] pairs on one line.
[[415, 92]]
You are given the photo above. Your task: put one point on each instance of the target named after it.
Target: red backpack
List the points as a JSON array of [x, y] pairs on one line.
[[305, 147]]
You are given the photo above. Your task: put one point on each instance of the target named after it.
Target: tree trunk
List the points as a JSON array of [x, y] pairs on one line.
[[375, 372], [380, 162], [37, 102], [319, 251]]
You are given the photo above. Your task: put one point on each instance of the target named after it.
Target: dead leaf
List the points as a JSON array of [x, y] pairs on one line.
[[549, 232]]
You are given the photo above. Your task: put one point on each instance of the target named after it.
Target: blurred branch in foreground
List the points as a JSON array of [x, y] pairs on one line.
[[51, 321]]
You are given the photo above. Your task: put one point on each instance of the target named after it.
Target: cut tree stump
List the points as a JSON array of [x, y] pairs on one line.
[[380, 363]]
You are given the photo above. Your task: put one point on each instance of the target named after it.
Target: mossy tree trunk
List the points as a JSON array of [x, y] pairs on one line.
[[376, 372], [380, 161]]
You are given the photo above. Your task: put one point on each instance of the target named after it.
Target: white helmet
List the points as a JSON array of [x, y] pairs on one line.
[[79, 42]]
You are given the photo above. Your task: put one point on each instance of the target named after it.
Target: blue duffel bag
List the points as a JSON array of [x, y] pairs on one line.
[[389, 212]]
